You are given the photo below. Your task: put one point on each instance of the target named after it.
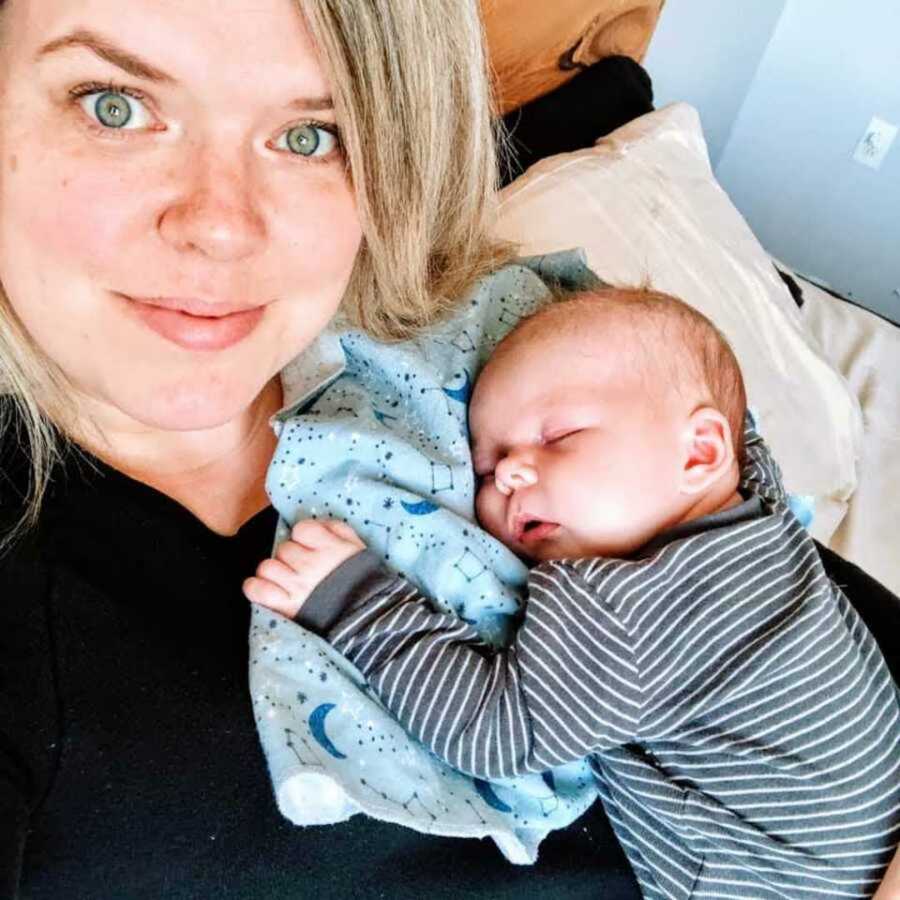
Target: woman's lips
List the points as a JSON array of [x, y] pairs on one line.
[[197, 332]]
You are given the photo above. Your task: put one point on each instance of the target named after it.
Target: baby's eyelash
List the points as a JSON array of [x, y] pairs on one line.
[[563, 434]]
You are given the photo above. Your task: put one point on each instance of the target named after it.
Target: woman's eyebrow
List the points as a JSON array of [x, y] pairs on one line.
[[109, 52], [312, 104], [139, 68]]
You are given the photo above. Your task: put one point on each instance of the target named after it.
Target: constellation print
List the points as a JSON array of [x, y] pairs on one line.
[[508, 319], [443, 395], [404, 805], [441, 477], [387, 534], [290, 736], [549, 805], [481, 819], [470, 566], [461, 341]]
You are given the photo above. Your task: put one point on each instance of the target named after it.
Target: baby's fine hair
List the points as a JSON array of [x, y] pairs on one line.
[[666, 337]]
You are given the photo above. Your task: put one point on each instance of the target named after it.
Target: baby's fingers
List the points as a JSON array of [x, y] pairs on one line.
[[313, 534], [266, 593], [278, 571], [345, 532], [294, 558]]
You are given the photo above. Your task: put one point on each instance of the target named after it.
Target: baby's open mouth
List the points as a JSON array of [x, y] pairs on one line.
[[532, 530]]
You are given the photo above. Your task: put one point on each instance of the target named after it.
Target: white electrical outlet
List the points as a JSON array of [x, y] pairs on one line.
[[875, 143]]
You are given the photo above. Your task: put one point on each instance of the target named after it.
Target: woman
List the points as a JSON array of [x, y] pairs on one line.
[[189, 191]]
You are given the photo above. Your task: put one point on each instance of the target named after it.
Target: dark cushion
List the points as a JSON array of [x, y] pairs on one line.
[[600, 99], [876, 605]]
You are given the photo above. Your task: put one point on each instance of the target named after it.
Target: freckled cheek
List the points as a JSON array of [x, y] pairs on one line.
[[81, 221], [320, 225]]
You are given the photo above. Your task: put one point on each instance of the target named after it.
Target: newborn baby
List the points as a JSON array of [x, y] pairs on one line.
[[679, 630]]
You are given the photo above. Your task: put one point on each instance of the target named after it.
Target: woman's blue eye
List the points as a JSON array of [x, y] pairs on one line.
[[308, 140], [115, 110]]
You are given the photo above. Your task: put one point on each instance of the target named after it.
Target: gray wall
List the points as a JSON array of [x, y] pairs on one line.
[[829, 67], [706, 52]]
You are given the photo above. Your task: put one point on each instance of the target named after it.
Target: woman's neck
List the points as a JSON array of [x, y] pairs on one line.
[[218, 474]]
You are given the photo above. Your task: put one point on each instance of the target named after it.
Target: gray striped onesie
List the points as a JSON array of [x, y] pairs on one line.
[[739, 718]]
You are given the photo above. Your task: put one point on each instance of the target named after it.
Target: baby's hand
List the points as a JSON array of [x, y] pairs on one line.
[[315, 549]]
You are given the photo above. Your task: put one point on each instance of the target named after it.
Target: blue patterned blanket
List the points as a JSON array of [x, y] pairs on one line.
[[385, 447]]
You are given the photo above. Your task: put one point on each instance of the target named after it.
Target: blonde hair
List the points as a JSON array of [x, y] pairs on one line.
[[413, 101], [411, 90]]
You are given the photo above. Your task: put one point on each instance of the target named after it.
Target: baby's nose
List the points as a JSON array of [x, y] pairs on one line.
[[512, 473]]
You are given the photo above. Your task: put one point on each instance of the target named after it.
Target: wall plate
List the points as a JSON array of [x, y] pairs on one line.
[[875, 143]]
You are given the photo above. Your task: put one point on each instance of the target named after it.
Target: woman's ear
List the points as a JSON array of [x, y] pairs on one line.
[[708, 450]]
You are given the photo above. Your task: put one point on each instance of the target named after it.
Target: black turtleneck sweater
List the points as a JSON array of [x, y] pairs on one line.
[[129, 761]]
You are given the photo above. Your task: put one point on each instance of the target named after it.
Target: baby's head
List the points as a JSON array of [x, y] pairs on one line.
[[602, 420]]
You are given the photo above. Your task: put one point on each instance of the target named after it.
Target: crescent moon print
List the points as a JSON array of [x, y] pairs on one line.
[[487, 794], [317, 728], [422, 508], [461, 393]]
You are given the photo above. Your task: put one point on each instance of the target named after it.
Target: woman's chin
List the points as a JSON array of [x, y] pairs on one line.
[[186, 420], [189, 409]]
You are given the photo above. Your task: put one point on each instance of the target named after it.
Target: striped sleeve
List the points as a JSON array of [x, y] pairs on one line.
[[567, 686], [760, 473]]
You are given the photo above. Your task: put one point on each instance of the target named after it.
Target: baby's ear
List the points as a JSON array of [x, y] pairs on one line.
[[708, 450]]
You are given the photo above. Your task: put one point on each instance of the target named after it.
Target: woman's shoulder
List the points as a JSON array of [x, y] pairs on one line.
[[25, 583], [29, 695], [23, 575], [26, 648], [14, 460]]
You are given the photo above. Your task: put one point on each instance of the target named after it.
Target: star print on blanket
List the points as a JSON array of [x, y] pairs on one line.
[[385, 447]]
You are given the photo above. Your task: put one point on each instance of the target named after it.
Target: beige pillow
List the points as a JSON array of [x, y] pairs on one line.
[[644, 203], [867, 350]]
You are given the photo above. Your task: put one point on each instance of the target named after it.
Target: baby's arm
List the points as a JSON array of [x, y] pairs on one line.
[[562, 691]]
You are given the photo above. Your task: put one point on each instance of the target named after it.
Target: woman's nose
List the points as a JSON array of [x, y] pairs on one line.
[[216, 212], [514, 472]]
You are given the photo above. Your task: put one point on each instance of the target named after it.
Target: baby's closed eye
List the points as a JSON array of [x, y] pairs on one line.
[[561, 436]]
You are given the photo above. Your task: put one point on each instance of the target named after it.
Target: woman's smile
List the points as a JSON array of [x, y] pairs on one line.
[[200, 328]]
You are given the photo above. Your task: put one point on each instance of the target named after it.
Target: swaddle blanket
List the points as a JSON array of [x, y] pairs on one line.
[[385, 447]]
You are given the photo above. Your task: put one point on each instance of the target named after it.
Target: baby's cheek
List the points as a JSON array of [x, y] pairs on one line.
[[489, 510]]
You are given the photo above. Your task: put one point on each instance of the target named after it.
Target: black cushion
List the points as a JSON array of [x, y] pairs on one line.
[[600, 99], [876, 605]]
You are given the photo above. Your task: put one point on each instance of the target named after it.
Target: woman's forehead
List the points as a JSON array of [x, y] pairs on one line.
[[231, 43]]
